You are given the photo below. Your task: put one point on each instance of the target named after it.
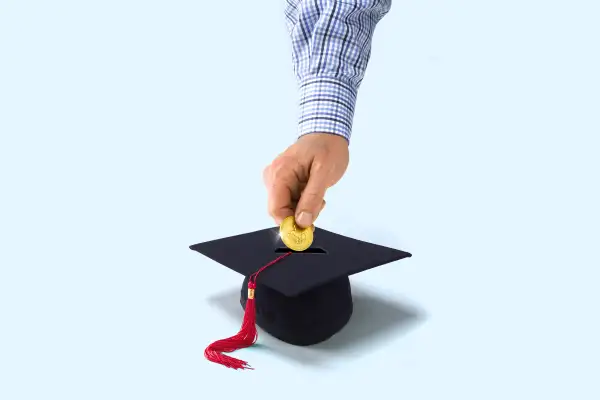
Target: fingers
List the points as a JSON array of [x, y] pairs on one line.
[[288, 195], [279, 180], [280, 203], [312, 199]]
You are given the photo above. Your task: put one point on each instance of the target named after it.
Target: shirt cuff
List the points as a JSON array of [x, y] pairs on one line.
[[326, 106]]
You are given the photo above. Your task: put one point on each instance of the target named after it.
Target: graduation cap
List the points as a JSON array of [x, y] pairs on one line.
[[301, 298]]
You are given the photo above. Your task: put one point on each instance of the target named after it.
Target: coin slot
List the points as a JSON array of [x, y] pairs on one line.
[[311, 250]]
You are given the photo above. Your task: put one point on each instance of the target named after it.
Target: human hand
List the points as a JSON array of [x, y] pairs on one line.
[[297, 179]]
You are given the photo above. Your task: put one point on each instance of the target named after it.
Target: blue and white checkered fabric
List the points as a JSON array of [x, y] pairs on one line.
[[331, 49]]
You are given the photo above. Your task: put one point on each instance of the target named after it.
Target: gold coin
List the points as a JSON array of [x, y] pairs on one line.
[[294, 237]]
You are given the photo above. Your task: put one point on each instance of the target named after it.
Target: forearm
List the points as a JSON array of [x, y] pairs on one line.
[[331, 49]]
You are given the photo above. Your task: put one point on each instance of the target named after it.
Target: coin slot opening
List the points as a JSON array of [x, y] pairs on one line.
[[311, 250]]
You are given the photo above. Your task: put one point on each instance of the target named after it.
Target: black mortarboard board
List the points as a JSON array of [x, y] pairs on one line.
[[305, 298]]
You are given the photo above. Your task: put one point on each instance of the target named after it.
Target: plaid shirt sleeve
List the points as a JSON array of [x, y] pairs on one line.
[[331, 43]]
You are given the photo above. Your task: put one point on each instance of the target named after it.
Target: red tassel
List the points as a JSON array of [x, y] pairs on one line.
[[247, 335]]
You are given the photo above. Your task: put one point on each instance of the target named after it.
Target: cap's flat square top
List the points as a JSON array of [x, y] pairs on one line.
[[331, 256]]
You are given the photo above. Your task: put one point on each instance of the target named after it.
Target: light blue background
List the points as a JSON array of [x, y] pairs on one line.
[[130, 130]]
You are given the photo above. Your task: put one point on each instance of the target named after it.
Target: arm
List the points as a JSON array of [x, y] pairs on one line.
[[331, 49]]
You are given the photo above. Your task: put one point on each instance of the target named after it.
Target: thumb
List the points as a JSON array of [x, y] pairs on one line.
[[311, 201]]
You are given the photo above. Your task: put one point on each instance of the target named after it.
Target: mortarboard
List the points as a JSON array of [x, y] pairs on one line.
[[302, 298]]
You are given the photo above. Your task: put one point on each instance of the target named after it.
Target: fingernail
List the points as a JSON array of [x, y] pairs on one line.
[[304, 219]]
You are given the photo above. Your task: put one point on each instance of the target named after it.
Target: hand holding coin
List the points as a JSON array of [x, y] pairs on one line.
[[297, 179]]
